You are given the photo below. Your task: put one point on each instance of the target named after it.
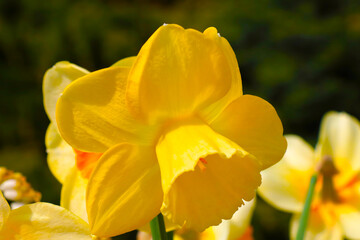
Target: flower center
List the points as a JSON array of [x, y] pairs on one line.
[[327, 170]]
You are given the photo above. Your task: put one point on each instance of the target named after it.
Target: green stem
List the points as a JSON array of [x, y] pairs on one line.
[[157, 226], [305, 213], [170, 235]]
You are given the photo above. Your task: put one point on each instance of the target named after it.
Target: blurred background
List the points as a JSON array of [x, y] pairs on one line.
[[301, 56]]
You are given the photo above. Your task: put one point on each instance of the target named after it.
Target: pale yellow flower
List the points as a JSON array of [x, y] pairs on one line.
[[335, 210], [70, 166]]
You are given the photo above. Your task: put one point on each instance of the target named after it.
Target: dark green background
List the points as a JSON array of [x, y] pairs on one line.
[[302, 56]]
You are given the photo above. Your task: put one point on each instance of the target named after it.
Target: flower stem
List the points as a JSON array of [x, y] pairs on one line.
[[305, 213], [157, 226], [170, 235]]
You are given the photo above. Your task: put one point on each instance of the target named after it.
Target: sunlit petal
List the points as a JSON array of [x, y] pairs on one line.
[[55, 81], [124, 191], [93, 124], [60, 155], [4, 210], [254, 125], [285, 184], [125, 62], [73, 193], [44, 221], [179, 71], [349, 219], [340, 139]]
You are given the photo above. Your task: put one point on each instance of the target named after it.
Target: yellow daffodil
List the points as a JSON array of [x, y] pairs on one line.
[[40, 221], [177, 133], [70, 166], [335, 209], [61, 156], [237, 228]]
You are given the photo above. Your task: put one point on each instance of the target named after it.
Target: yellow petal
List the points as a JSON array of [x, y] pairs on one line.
[[43, 221], [189, 234], [124, 191], [125, 62], [4, 210], [349, 220], [179, 71], [55, 81], [92, 115], [340, 139], [254, 125], [60, 155], [205, 176], [285, 184], [316, 228], [73, 194], [234, 228]]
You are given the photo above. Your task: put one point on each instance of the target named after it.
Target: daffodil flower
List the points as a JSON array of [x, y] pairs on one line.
[[334, 211], [61, 156], [177, 133], [70, 166], [40, 221], [236, 228]]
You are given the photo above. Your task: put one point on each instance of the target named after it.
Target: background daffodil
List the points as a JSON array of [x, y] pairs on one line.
[[70, 166], [335, 208], [60, 155], [177, 134]]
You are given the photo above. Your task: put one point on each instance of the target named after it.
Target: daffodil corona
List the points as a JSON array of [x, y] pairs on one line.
[[177, 133], [335, 209]]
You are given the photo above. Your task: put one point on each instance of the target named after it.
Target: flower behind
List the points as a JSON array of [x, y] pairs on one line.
[[335, 208]]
